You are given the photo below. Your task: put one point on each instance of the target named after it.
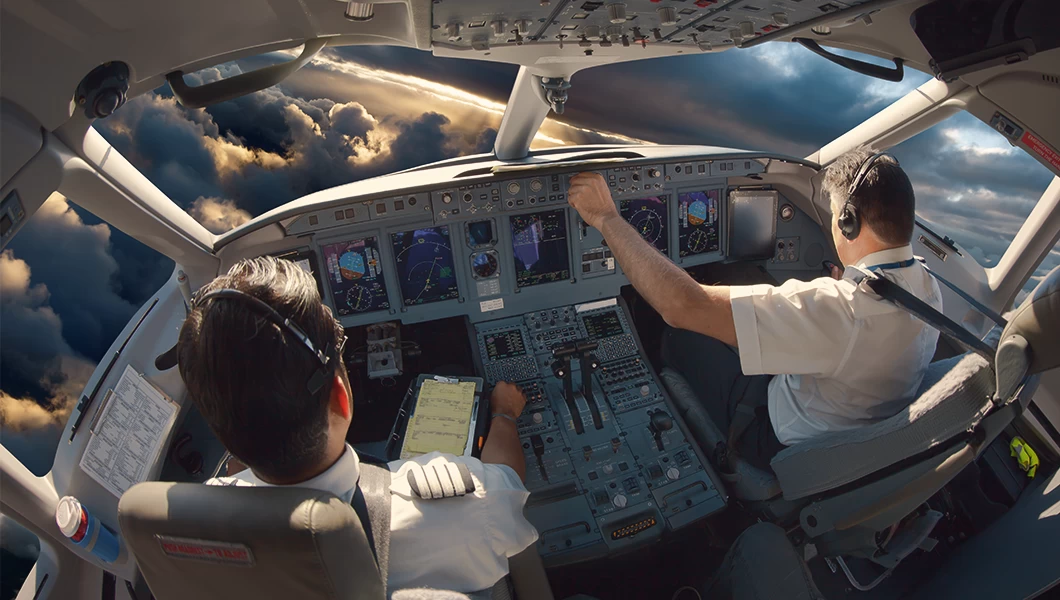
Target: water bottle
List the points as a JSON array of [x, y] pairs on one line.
[[85, 530]]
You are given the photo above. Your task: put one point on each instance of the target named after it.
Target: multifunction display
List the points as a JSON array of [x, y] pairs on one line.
[[698, 222], [505, 344], [602, 325], [355, 275], [648, 217], [539, 247], [425, 265]]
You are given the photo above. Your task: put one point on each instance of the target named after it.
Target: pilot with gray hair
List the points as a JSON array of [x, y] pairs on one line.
[[776, 365]]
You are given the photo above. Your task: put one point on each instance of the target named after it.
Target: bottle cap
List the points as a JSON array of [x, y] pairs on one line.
[[68, 515]]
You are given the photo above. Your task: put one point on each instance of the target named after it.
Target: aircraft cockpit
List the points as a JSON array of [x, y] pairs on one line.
[[477, 270]]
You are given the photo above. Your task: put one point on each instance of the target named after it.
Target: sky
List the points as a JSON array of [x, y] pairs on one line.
[[69, 283]]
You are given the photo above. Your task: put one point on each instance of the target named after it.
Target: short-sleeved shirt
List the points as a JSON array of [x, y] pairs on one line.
[[459, 544], [843, 357]]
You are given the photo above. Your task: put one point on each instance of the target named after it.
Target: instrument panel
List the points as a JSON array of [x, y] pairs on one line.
[[508, 243], [610, 465]]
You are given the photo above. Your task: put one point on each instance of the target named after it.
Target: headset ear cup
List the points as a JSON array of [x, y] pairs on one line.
[[849, 223]]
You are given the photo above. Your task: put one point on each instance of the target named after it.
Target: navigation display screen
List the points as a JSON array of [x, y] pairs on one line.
[[539, 245], [505, 344], [425, 265], [602, 325], [648, 217], [356, 277], [697, 223]]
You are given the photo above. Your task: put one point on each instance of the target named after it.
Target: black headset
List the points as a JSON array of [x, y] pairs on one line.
[[320, 376], [849, 221]]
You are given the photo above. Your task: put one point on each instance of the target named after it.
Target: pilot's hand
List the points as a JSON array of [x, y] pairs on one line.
[[589, 195], [834, 270], [507, 399]]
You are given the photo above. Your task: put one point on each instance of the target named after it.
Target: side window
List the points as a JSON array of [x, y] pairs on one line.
[[68, 285], [975, 187]]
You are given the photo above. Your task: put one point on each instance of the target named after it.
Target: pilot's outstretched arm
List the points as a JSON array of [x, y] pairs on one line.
[[677, 297], [502, 445]]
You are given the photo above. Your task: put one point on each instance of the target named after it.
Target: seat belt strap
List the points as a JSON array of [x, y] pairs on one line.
[[371, 502], [742, 418], [977, 305], [888, 290]]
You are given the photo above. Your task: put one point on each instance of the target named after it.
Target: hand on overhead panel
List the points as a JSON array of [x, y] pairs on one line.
[[589, 195]]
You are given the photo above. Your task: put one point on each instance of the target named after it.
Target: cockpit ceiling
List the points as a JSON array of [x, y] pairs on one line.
[[591, 24]]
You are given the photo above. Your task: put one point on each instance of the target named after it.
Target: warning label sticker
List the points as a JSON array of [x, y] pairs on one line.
[[1040, 148], [206, 550]]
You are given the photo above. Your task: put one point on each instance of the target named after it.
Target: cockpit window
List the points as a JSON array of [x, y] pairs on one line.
[[974, 187]]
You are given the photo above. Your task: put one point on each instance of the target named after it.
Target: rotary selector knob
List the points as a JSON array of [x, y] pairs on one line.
[[620, 501], [538, 418], [653, 173], [673, 473], [447, 197], [513, 187], [645, 390], [608, 469], [535, 185]]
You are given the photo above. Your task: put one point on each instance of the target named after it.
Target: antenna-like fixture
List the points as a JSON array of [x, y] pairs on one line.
[[556, 92]]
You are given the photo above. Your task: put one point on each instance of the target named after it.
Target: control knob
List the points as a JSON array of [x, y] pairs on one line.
[[667, 16], [453, 30], [535, 185], [654, 173], [500, 27], [617, 12], [673, 473], [620, 501], [513, 187], [447, 197], [608, 469]]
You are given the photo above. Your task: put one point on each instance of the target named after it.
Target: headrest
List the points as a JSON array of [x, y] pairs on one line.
[[1037, 320], [214, 542]]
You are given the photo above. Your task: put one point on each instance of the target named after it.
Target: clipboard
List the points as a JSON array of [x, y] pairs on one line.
[[476, 417]]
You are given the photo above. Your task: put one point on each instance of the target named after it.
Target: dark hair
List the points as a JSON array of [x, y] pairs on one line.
[[884, 200], [248, 378]]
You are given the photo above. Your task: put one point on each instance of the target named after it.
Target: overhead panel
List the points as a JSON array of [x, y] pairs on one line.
[[592, 24]]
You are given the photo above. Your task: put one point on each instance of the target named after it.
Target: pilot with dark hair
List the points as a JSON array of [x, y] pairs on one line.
[[248, 377], [823, 355]]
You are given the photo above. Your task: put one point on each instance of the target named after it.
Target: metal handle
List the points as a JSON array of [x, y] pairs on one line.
[[858, 66], [240, 85]]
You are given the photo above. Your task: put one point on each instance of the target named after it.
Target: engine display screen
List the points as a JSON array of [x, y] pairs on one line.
[[539, 245], [355, 275], [648, 217], [505, 344], [697, 223], [602, 325], [425, 265]]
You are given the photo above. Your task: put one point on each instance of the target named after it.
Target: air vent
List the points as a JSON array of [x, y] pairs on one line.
[[1053, 79]]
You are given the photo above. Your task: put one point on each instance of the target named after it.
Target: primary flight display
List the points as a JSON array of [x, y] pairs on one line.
[[539, 247], [355, 276]]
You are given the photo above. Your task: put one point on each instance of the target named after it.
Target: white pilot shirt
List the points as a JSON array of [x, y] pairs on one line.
[[843, 356], [459, 544]]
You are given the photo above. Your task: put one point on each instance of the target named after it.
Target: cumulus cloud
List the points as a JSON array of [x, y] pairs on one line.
[[218, 215]]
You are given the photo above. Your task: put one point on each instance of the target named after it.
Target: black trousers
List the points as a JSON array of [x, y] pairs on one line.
[[713, 370]]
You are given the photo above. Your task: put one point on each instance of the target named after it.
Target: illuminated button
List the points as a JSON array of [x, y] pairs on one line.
[[672, 473], [620, 501]]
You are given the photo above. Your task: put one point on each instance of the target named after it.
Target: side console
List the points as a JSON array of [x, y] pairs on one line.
[[610, 465]]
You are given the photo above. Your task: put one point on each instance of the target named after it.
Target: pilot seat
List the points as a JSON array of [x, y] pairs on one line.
[[843, 488]]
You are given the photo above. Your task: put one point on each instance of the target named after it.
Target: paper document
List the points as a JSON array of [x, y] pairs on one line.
[[127, 433], [442, 419]]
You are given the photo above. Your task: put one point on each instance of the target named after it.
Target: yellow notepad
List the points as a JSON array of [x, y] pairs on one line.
[[442, 419]]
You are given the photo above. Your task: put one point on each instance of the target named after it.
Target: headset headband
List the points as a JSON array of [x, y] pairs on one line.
[[168, 359], [863, 172]]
